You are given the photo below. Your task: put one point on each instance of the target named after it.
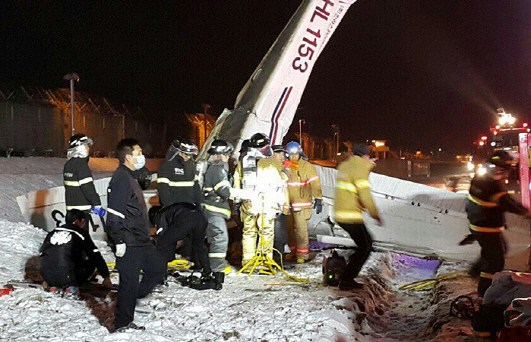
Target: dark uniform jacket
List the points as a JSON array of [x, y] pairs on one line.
[[487, 203], [177, 182], [80, 192], [127, 218], [179, 221], [216, 190], [64, 250]]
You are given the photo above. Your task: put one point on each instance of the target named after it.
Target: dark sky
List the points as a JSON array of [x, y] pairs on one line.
[[421, 74]]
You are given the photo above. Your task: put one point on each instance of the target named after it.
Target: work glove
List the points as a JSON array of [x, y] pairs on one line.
[[98, 211], [120, 250], [318, 205]]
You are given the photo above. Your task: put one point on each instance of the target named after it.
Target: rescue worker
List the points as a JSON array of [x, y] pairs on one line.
[[216, 191], [263, 194], [177, 223], [176, 177], [128, 228], [69, 257], [304, 188], [80, 192], [352, 196], [486, 205], [281, 234]]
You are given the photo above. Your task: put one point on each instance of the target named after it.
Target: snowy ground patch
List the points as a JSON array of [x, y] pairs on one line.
[[259, 308]]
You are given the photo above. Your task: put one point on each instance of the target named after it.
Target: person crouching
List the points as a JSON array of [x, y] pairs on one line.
[[69, 257]]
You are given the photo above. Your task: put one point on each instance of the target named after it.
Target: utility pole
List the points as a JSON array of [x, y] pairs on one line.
[[301, 122], [206, 106], [336, 140], [72, 77]]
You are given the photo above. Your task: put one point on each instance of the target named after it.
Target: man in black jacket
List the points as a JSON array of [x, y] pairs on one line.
[[176, 176], [216, 190], [80, 192], [128, 227], [487, 203], [69, 256], [177, 223]]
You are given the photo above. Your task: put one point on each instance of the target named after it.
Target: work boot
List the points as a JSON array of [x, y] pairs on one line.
[[302, 258], [130, 326], [291, 256], [351, 284]]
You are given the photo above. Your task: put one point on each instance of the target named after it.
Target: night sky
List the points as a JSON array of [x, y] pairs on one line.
[[421, 74]]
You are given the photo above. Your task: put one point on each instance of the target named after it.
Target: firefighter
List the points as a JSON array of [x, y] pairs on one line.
[[177, 177], [216, 191], [69, 257], [263, 194], [177, 223], [486, 205], [304, 188], [352, 196], [80, 192]]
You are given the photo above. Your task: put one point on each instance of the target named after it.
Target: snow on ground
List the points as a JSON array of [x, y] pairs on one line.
[[18, 176], [247, 309]]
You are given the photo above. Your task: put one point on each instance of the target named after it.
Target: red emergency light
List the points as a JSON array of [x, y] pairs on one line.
[[497, 126], [484, 138], [481, 143], [525, 124]]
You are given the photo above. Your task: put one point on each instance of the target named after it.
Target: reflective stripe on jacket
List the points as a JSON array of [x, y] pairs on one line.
[[352, 194], [216, 189], [487, 202], [303, 185], [80, 192], [177, 182]]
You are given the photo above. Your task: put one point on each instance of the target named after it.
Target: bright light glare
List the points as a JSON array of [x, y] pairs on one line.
[[470, 166], [481, 171], [506, 119]]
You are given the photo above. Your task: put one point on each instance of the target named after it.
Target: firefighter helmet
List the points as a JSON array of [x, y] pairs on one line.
[[184, 145], [220, 147], [294, 148], [258, 140], [79, 140]]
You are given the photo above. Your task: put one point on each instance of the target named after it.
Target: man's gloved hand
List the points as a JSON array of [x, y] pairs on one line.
[[98, 211], [318, 205], [120, 250]]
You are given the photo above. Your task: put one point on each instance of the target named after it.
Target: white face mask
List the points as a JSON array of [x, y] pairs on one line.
[[78, 152], [140, 162]]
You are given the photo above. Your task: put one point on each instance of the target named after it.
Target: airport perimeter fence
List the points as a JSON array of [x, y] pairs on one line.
[[37, 122]]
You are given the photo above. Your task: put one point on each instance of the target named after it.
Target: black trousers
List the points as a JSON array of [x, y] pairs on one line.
[[144, 258], [66, 276], [281, 235], [363, 239], [492, 259]]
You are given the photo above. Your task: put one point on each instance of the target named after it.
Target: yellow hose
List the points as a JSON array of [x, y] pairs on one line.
[[427, 284]]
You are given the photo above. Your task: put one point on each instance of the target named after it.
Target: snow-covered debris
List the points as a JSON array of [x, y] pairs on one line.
[[18, 242]]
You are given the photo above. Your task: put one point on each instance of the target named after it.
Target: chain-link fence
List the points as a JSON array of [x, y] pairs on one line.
[[38, 122]]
